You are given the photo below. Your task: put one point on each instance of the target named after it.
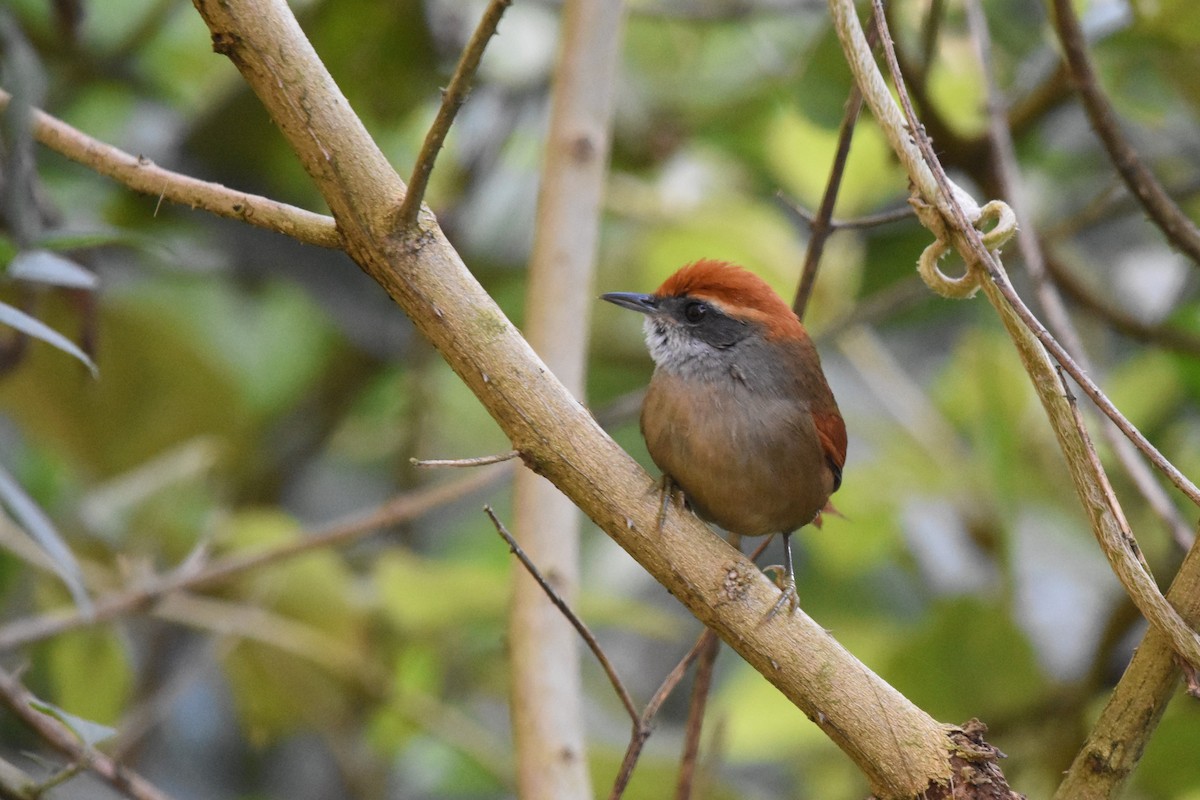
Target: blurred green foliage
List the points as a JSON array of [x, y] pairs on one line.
[[252, 390]]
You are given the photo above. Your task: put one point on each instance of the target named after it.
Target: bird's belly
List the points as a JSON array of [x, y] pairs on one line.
[[751, 465]]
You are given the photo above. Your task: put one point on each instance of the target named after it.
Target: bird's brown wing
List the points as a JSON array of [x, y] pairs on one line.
[[831, 431]]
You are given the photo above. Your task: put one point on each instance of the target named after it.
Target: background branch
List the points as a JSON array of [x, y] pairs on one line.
[[820, 225], [1179, 229], [547, 704], [142, 175], [109, 607], [61, 738]]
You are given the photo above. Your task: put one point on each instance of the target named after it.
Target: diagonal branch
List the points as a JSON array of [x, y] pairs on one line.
[[1119, 736], [1178, 228], [400, 509], [580, 626], [143, 175], [1008, 179], [860, 712], [950, 220]]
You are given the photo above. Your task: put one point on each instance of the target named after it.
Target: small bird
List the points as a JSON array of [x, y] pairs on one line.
[[738, 414]]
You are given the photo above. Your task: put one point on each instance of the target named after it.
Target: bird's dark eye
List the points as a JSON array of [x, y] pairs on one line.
[[695, 311]]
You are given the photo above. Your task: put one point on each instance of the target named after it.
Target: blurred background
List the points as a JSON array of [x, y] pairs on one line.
[[252, 390]]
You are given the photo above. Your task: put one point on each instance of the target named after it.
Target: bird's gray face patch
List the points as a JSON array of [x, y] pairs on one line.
[[677, 349]]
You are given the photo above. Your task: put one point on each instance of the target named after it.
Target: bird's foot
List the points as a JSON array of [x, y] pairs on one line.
[[786, 582]]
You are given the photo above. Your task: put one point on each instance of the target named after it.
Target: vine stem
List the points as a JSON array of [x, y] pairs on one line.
[[951, 213]]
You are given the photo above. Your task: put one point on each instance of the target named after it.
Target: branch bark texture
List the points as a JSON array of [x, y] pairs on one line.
[[899, 748], [1118, 739]]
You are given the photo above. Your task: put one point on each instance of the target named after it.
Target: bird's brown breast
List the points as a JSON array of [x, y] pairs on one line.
[[753, 463]]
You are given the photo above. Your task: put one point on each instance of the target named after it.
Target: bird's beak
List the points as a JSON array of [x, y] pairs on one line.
[[642, 303]]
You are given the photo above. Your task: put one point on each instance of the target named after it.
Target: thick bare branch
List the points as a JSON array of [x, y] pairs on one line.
[[1119, 736], [861, 713]]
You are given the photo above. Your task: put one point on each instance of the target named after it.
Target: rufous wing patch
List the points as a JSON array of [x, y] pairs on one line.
[[831, 431]]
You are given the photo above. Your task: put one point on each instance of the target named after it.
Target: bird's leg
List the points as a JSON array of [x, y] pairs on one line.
[[667, 487], [785, 579]]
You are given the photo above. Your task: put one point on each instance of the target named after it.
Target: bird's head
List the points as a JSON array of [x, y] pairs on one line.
[[705, 311]]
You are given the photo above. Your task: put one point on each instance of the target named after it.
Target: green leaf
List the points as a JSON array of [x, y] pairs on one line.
[[37, 524], [315, 588], [91, 673], [966, 656], [277, 694], [89, 732], [43, 266], [15, 318], [425, 596]]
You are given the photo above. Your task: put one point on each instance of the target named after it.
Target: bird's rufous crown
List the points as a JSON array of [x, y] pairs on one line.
[[737, 292]]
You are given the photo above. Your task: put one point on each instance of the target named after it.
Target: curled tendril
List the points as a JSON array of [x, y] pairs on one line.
[[963, 286]]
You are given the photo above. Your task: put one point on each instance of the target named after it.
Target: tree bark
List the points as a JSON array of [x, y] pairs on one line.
[[901, 750]]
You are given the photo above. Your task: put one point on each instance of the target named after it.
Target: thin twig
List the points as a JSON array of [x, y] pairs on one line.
[[1178, 228], [701, 686], [1126, 548], [478, 461], [1008, 180], [973, 237], [61, 738], [1091, 483], [453, 97], [571, 616], [642, 730], [400, 509], [1094, 393], [866, 221], [820, 224], [1161, 335], [142, 175]]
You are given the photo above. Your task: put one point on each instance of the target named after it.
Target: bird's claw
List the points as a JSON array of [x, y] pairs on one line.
[[787, 588]]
